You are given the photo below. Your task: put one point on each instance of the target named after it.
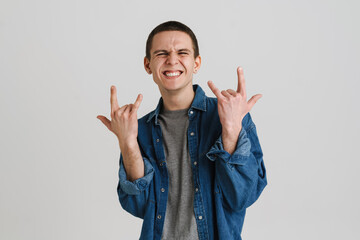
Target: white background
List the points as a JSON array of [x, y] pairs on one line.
[[58, 163]]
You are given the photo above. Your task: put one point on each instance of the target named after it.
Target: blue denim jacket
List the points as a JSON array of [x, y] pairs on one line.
[[224, 185]]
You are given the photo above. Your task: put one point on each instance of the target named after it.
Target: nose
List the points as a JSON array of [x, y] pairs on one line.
[[172, 59]]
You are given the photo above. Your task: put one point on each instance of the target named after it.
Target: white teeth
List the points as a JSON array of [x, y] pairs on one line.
[[172, 74]]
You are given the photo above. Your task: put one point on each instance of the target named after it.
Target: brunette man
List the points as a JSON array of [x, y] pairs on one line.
[[191, 167]]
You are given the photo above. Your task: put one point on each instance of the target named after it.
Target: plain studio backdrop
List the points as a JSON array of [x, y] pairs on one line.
[[58, 59]]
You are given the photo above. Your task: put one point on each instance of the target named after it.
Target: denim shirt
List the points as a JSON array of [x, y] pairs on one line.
[[224, 185]]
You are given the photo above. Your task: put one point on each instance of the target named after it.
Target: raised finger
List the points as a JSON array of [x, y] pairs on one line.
[[241, 82], [137, 102], [215, 90], [113, 100]]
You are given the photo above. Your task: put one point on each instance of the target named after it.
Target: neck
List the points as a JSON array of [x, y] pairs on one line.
[[176, 100]]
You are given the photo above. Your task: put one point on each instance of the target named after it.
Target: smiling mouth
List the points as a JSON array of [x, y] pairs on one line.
[[172, 74]]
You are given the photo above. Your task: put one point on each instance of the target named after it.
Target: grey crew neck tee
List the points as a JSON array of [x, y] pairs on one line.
[[180, 220]]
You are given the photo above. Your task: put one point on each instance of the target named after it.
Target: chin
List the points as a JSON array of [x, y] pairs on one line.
[[173, 84]]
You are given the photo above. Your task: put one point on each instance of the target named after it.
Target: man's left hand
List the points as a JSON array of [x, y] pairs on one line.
[[232, 108]]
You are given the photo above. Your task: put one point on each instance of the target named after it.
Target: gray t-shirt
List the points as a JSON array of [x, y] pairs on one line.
[[180, 220]]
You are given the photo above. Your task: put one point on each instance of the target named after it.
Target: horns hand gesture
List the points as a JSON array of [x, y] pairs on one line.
[[233, 105], [123, 123]]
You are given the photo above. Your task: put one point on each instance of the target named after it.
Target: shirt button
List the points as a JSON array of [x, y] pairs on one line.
[[162, 189], [195, 163], [157, 140], [161, 164], [191, 112], [200, 217], [192, 133], [196, 189], [159, 216]]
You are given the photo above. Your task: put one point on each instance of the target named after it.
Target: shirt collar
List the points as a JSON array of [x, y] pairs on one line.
[[198, 103]]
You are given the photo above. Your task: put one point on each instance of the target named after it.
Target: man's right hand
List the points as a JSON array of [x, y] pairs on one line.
[[124, 123]]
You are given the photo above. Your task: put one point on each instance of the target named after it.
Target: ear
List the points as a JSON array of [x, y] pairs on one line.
[[197, 64], [147, 65]]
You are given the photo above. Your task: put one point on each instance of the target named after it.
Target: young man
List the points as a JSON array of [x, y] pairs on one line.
[[191, 167]]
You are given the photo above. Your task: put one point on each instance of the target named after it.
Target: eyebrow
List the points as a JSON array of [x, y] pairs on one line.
[[158, 51], [184, 50], [180, 50]]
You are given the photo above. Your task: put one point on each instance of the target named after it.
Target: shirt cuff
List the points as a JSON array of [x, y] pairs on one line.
[[138, 185], [240, 155]]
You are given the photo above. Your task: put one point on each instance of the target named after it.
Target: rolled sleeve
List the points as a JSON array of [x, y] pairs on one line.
[[240, 155], [138, 185]]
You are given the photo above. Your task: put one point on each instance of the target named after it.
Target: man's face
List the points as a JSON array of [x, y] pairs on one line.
[[172, 61]]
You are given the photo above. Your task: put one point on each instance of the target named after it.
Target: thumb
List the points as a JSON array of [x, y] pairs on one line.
[[105, 121], [254, 99]]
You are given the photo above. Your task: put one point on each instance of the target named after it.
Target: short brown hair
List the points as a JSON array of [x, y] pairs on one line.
[[171, 26]]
